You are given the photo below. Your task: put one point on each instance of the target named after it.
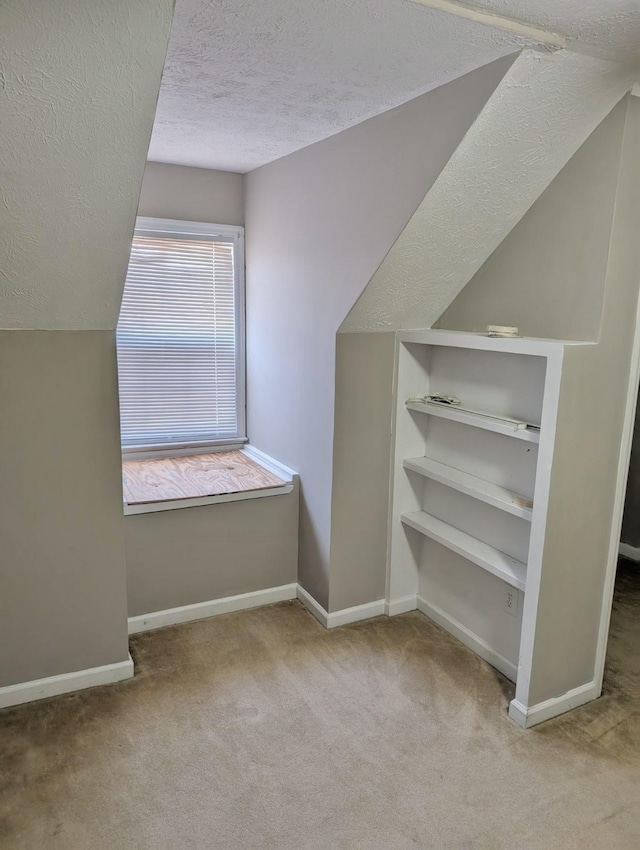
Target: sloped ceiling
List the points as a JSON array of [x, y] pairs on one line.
[[544, 108], [78, 86], [606, 28], [247, 81]]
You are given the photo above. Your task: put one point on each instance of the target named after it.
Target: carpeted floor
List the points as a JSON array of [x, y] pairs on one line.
[[262, 730]]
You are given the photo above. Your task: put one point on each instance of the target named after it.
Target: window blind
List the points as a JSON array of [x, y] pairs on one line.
[[177, 339]]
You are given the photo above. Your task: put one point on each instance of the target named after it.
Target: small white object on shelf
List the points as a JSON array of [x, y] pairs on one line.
[[502, 331]]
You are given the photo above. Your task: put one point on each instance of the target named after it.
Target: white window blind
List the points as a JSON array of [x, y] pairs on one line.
[[180, 337]]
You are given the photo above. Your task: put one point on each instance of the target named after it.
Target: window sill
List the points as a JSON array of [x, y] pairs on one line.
[[177, 483]]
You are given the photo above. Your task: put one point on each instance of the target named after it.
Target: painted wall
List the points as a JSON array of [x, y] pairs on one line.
[[80, 81], [541, 112], [192, 194], [197, 554], [62, 575], [361, 467], [586, 459], [79, 88], [561, 278], [547, 277], [546, 106], [564, 281], [319, 223], [224, 549]]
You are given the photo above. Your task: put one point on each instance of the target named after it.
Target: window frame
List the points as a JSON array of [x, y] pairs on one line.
[[150, 226]]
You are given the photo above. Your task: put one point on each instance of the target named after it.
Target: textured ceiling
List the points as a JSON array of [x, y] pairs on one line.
[[606, 28], [543, 109], [78, 85], [246, 82]]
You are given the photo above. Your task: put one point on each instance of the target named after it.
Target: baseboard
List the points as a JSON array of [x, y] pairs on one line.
[[65, 683], [630, 552], [344, 616], [527, 717], [212, 608], [313, 607], [468, 638], [355, 614], [400, 606]]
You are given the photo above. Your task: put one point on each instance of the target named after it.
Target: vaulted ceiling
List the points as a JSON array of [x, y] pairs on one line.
[[246, 82]]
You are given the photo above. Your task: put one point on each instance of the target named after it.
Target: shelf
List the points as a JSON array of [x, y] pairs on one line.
[[470, 485], [477, 420], [493, 560]]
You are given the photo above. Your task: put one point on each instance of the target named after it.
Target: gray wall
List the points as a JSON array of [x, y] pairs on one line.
[[80, 86], [543, 110], [319, 222], [62, 568], [80, 82], [571, 269], [197, 554], [550, 273], [192, 194], [557, 255], [194, 555], [361, 467], [594, 393], [547, 276]]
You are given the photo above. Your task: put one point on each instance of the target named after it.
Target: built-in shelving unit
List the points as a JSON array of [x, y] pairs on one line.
[[477, 420], [493, 494], [470, 488], [488, 557]]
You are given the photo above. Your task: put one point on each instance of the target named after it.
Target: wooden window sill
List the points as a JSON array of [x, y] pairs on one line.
[[184, 482]]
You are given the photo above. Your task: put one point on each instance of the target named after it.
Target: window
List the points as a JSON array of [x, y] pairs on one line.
[[180, 337]]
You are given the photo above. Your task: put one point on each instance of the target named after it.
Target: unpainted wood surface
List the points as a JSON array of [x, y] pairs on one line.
[[163, 479]]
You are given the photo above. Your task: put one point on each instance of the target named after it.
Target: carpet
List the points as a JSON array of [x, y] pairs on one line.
[[263, 730]]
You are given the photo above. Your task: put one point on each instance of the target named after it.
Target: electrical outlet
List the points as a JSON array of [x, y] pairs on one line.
[[511, 601]]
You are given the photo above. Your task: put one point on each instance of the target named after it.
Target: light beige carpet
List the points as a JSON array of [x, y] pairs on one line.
[[262, 730]]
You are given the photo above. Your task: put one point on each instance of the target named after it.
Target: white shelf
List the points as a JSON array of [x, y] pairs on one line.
[[470, 485], [477, 420], [493, 560]]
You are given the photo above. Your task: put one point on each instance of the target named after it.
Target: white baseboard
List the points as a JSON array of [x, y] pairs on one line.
[[468, 638], [343, 617], [630, 552], [400, 606], [313, 607], [65, 683], [355, 614], [527, 717], [200, 610]]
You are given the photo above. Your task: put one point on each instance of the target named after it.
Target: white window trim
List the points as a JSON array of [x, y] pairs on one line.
[[161, 226]]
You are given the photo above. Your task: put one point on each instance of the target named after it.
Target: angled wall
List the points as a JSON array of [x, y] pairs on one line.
[[543, 110], [79, 87], [571, 269], [547, 277], [318, 224], [539, 115]]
